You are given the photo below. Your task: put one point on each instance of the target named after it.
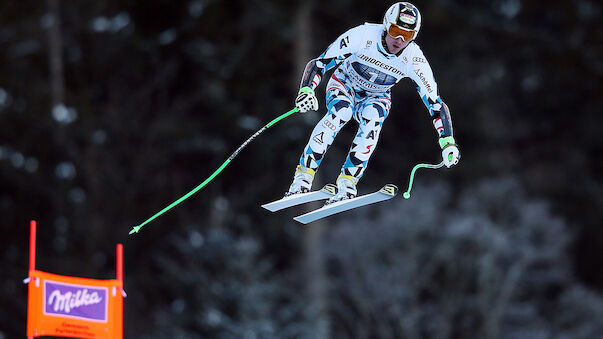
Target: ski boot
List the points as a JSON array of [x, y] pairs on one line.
[[346, 189], [302, 181]]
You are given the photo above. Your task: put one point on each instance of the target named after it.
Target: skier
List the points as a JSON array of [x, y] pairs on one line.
[[370, 60]]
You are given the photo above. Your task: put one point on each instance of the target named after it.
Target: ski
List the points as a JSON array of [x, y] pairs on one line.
[[326, 192], [387, 192]]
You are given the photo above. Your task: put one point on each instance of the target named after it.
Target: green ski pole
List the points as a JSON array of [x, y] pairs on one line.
[[135, 229], [406, 194]]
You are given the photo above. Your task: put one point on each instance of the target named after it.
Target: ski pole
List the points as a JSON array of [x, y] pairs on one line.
[[135, 229], [406, 194]]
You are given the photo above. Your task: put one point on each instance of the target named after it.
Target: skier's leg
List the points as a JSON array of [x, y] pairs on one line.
[[371, 115], [339, 112]]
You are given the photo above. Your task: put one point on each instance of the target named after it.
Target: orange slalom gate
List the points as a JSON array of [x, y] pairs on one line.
[[73, 307]]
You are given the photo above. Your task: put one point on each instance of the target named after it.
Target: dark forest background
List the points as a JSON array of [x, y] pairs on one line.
[[110, 110]]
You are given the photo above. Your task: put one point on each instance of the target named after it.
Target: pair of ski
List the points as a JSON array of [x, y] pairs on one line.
[[387, 192]]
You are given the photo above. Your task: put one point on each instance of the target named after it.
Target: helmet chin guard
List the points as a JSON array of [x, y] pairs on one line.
[[404, 16]]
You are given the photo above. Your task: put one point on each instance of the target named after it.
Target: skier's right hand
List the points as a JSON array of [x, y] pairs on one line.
[[306, 100]]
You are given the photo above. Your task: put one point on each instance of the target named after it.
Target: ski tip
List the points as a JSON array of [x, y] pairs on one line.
[[389, 189], [277, 204], [300, 220], [273, 206], [269, 207]]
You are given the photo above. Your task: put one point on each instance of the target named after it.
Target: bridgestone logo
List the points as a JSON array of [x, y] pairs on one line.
[[380, 64]]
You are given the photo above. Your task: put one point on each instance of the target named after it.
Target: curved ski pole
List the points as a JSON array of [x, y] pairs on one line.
[[406, 194], [135, 229]]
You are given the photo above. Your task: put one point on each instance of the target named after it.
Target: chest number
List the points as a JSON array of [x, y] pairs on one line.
[[374, 76]]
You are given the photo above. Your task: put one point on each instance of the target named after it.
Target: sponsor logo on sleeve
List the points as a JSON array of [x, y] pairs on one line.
[[423, 80], [344, 42]]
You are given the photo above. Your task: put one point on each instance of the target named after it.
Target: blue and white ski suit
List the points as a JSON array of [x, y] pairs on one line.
[[360, 88]]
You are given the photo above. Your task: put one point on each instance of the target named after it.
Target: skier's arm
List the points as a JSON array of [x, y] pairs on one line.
[[346, 44], [427, 87], [316, 69]]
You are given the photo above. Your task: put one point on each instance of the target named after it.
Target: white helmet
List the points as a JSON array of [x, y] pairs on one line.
[[403, 20]]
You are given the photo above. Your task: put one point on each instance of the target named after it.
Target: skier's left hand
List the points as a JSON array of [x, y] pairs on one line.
[[450, 152]]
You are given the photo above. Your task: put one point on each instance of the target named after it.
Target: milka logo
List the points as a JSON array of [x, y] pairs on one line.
[[75, 301], [69, 301]]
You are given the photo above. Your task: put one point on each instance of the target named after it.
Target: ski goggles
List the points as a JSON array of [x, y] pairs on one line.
[[396, 32]]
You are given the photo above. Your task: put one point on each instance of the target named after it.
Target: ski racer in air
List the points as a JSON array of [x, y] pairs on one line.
[[370, 60]]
